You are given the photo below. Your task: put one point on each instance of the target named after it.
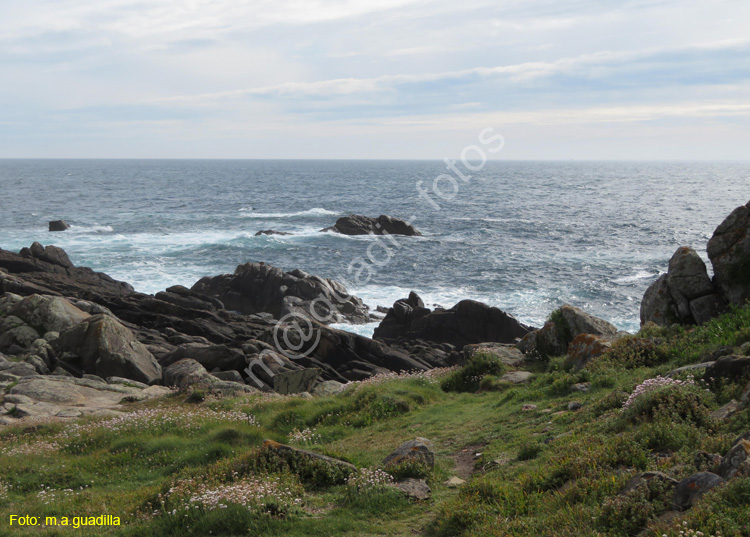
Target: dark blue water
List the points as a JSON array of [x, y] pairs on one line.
[[523, 236]]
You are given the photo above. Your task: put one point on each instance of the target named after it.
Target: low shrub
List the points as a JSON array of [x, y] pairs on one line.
[[629, 513], [469, 377]]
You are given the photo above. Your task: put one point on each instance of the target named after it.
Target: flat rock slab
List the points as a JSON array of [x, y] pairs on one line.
[[516, 377]]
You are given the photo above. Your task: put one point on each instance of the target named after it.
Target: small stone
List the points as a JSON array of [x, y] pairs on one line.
[[528, 407], [454, 482], [574, 405], [416, 489], [580, 387]]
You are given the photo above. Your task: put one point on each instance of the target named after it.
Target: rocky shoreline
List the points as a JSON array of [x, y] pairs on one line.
[[75, 341]]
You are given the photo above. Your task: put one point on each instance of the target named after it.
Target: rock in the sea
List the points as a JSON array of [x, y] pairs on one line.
[[58, 225], [688, 491], [109, 349], [419, 450], [271, 232], [258, 287], [729, 252], [465, 323], [364, 225]]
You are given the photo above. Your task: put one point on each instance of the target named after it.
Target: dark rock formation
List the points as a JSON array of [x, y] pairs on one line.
[[465, 323], [364, 225], [131, 334], [58, 225], [271, 232], [258, 287], [729, 252]]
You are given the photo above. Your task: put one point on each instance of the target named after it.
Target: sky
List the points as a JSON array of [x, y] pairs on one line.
[[380, 79]]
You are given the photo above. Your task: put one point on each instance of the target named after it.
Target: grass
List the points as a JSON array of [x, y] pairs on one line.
[[544, 471]]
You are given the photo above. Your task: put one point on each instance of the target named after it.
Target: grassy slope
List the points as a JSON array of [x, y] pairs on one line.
[[545, 471]]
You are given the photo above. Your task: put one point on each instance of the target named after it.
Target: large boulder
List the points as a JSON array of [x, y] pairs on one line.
[[465, 323], [187, 372], [364, 225], [737, 460], [685, 294], [584, 348], [564, 326], [729, 252], [107, 348], [258, 287], [48, 313]]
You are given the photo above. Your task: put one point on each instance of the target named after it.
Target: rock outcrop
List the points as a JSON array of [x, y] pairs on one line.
[[258, 287], [686, 294], [62, 320], [364, 225], [729, 252], [467, 322]]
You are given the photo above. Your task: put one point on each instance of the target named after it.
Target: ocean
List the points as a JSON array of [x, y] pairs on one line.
[[523, 236]]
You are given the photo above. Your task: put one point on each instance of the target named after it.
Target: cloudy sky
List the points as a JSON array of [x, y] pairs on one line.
[[560, 79]]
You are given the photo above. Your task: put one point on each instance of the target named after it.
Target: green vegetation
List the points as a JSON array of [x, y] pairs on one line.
[[191, 465]]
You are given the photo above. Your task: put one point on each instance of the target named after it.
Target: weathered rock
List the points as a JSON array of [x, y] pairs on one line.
[[297, 453], [187, 372], [419, 450], [584, 348], [454, 482], [728, 367], [687, 278], [644, 478], [581, 387], [516, 377], [556, 335], [416, 489], [574, 406], [258, 287], [48, 313], [328, 388], [657, 305], [221, 357], [298, 381], [688, 491], [109, 349], [126, 382], [230, 376], [58, 225], [185, 298], [580, 322], [728, 410], [705, 308], [18, 369], [465, 323], [737, 460], [505, 352], [729, 252], [364, 225], [21, 335]]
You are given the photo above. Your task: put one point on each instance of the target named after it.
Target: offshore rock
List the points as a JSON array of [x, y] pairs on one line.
[[364, 225]]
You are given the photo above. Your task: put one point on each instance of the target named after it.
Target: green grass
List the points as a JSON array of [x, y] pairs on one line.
[[541, 472]]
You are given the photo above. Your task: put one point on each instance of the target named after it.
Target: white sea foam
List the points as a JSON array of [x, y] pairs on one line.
[[248, 212]]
